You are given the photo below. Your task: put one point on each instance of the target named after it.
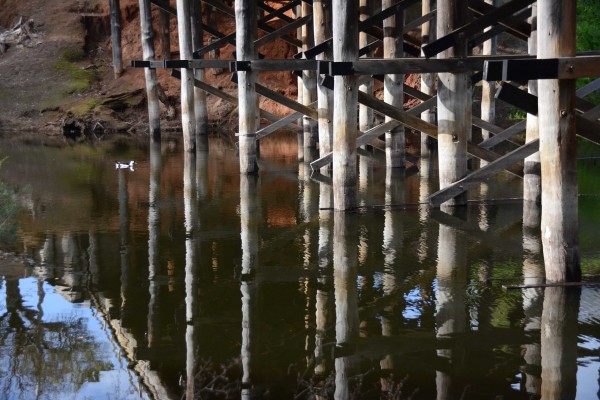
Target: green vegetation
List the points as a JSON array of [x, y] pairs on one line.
[[78, 79], [588, 35]]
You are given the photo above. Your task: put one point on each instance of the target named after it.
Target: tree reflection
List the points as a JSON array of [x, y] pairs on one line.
[[44, 358]]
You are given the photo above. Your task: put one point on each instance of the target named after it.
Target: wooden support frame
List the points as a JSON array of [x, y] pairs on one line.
[[483, 173], [542, 68], [512, 24], [467, 30]]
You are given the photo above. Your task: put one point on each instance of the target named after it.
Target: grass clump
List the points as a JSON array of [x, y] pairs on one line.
[[78, 79]]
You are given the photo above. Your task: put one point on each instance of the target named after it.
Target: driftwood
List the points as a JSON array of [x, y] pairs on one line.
[[22, 34]]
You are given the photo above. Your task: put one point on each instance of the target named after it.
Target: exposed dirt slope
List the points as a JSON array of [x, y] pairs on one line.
[[68, 78]]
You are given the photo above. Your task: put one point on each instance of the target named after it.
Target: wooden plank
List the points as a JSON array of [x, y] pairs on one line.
[[504, 135], [490, 18], [268, 38], [286, 101], [282, 123], [284, 65], [513, 24], [579, 67], [592, 114], [589, 88], [484, 173], [363, 139], [279, 13], [424, 106]]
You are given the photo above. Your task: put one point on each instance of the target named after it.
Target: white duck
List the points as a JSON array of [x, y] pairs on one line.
[[120, 165]]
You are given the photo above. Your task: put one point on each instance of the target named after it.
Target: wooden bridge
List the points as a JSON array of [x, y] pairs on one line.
[[336, 41]]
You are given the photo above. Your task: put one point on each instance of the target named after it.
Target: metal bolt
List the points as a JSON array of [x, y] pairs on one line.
[[563, 113]]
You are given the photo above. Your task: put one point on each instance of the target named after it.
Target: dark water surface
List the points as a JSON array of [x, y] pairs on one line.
[[182, 277]]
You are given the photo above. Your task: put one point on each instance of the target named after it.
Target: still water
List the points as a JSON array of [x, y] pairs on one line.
[[180, 277]]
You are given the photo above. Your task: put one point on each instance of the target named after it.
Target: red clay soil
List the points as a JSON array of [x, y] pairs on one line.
[[40, 88]]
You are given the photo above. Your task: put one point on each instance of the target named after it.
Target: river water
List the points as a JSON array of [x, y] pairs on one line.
[[179, 277]]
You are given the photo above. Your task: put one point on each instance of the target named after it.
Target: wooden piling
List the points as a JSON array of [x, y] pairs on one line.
[[200, 108], [454, 103], [393, 92], [148, 54], [309, 91], [300, 87], [488, 89], [365, 114], [345, 98], [532, 180], [115, 34], [556, 103], [246, 32], [184, 30], [427, 80], [323, 31]]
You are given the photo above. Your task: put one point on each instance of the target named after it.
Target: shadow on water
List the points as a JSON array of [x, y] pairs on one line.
[[181, 278]]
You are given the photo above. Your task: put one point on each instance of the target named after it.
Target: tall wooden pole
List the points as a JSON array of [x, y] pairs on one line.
[[200, 109], [115, 34], [365, 114], [345, 98], [393, 84], [184, 30], [246, 32], [488, 89], [427, 80], [454, 103], [323, 31], [300, 86], [309, 92], [150, 73], [532, 180], [558, 145]]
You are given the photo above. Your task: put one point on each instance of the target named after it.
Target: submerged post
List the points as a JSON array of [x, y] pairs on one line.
[[454, 103], [115, 34], [558, 145], [150, 73], [187, 75], [246, 32], [345, 110], [200, 109], [393, 84]]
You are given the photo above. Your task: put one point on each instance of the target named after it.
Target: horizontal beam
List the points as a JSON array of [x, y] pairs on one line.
[[483, 173], [525, 69], [232, 99]]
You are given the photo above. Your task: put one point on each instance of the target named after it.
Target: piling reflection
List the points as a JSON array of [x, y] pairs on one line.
[[345, 274], [153, 243], [559, 342], [249, 217], [451, 317]]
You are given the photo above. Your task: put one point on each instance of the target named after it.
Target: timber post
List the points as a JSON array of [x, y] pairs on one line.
[[246, 32], [488, 89], [454, 103], [365, 114], [300, 87], [309, 89], [427, 79], [115, 34], [393, 84], [165, 34], [200, 108], [532, 180], [323, 31], [558, 145], [184, 30], [345, 105], [150, 73]]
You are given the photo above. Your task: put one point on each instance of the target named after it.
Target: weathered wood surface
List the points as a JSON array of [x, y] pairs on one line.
[[200, 106], [514, 25], [23, 33], [393, 93], [184, 30], [365, 114], [427, 79], [322, 20], [147, 38], [558, 145], [454, 98], [483, 173], [532, 179], [488, 89], [345, 92], [115, 37], [309, 90]]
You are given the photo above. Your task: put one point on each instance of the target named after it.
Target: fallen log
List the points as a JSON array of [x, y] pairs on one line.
[[22, 34]]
